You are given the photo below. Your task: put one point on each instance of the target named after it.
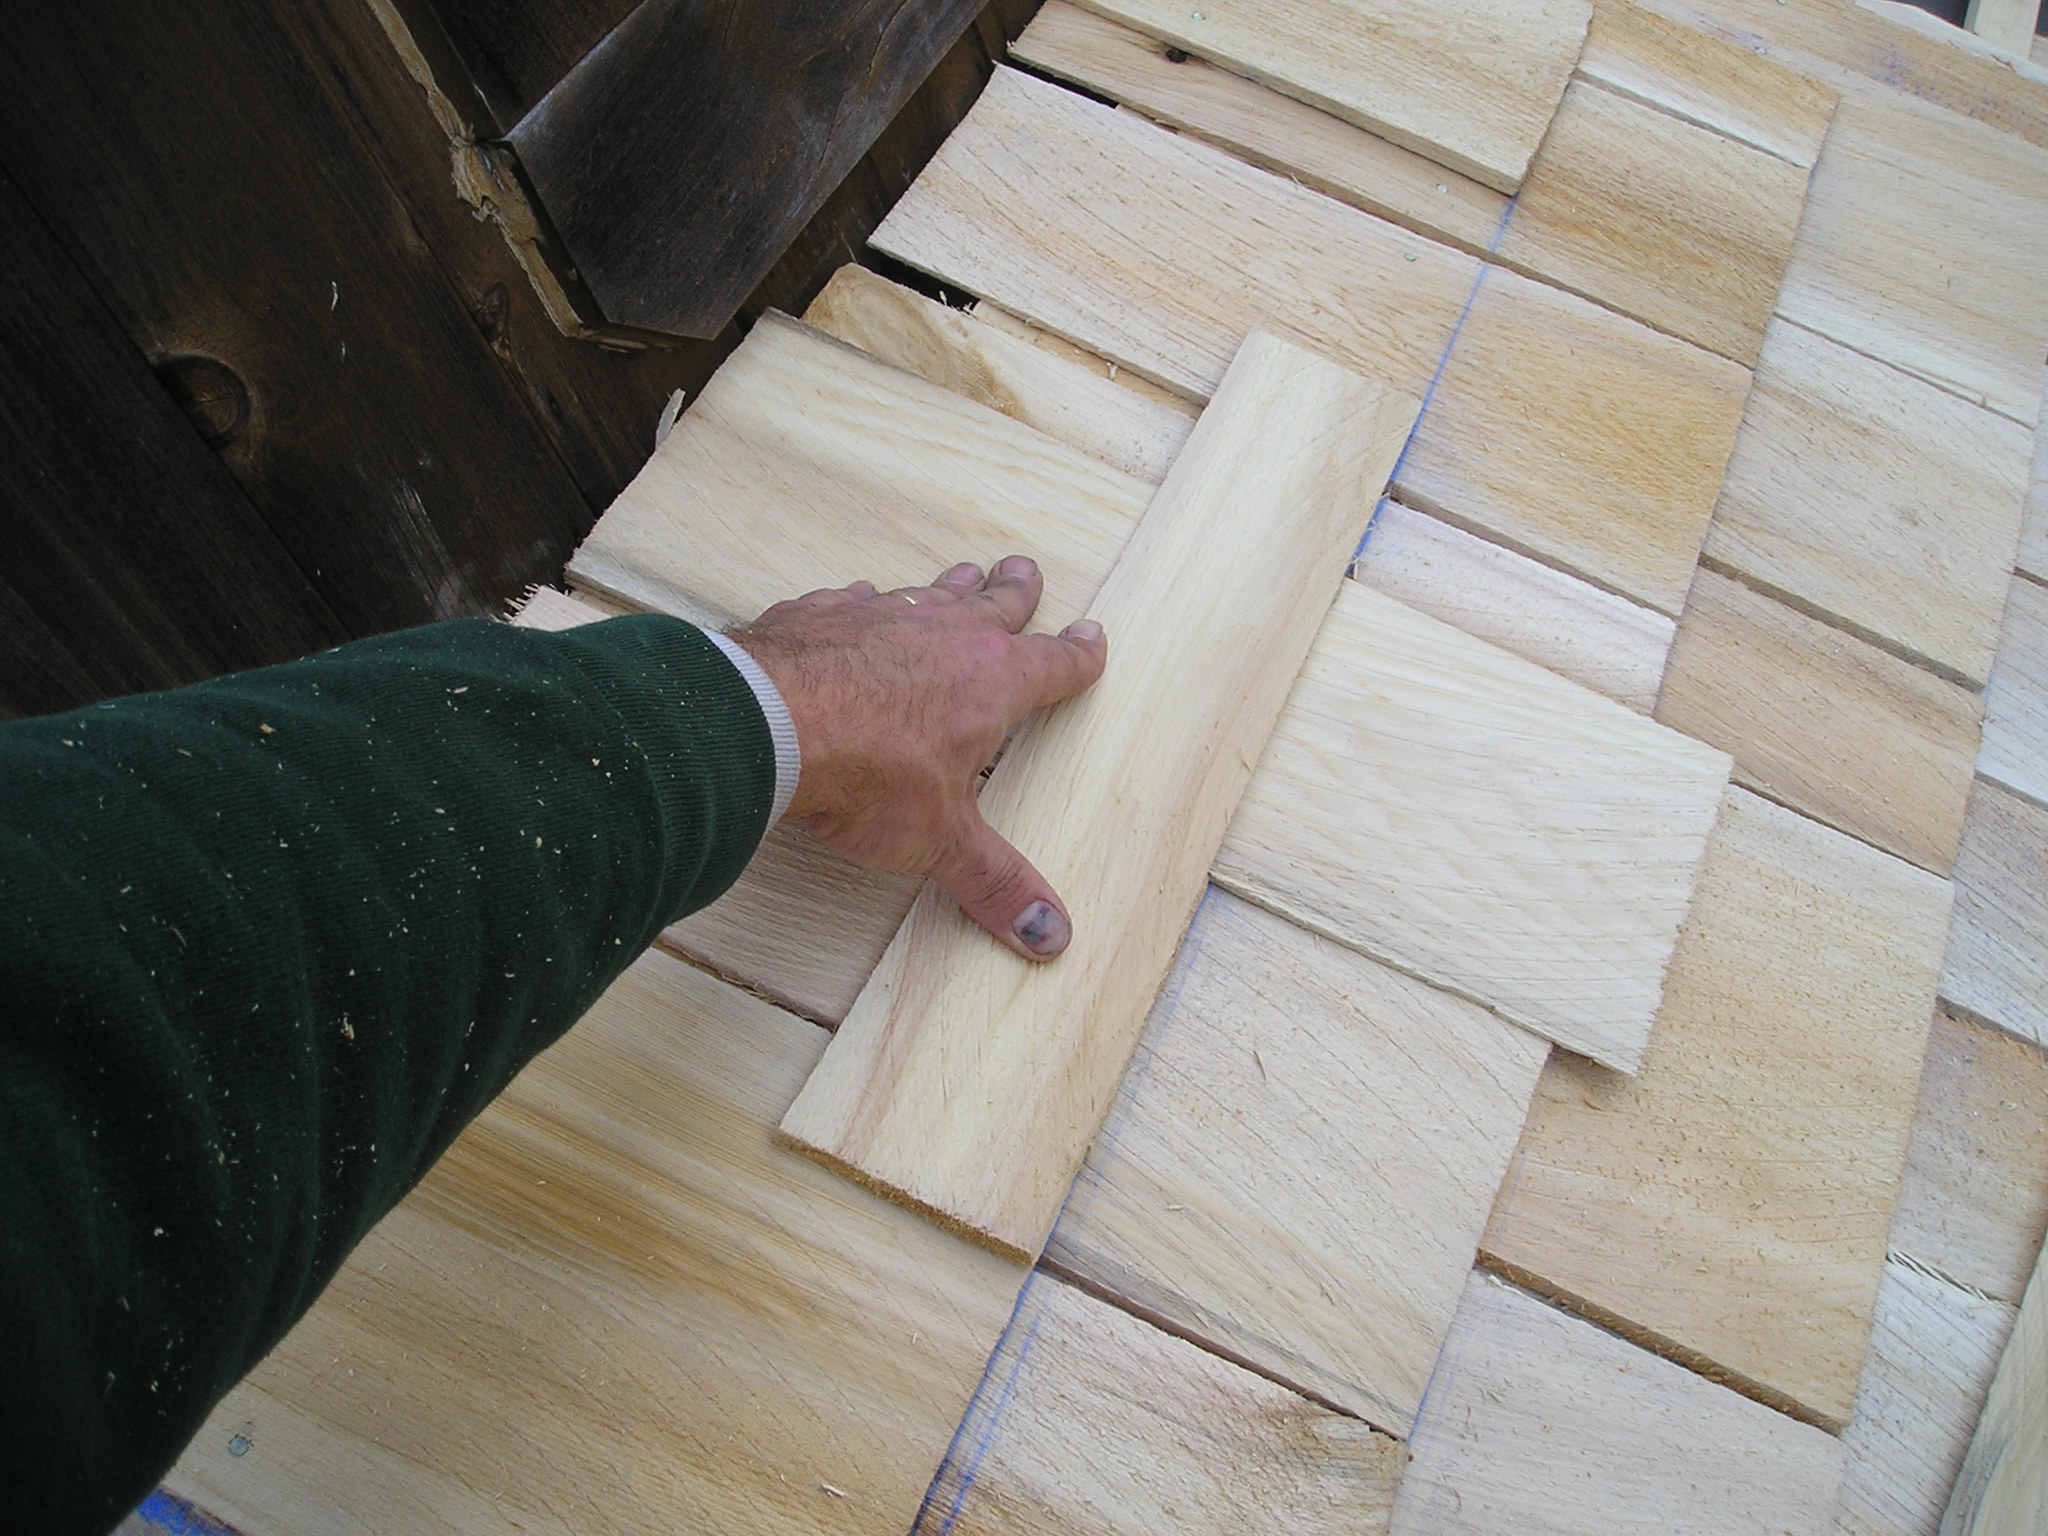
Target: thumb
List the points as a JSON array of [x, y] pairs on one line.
[[997, 887]]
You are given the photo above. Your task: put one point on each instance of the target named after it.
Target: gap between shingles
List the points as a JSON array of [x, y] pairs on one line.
[[1970, 1015], [1820, 615], [1417, 501], [1408, 497], [1488, 253], [1657, 1344], [2011, 789], [1982, 402], [1009, 60], [1750, 784], [1939, 1275], [1549, 280], [1144, 1314], [1616, 88], [740, 983]]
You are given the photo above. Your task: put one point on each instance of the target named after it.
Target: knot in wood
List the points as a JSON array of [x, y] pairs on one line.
[[211, 394]]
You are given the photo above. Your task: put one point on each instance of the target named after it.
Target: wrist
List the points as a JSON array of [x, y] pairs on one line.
[[775, 711]]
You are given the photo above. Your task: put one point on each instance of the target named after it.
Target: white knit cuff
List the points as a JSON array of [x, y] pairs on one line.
[[789, 760]]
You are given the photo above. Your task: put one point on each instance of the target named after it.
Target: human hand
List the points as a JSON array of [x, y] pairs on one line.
[[900, 700]]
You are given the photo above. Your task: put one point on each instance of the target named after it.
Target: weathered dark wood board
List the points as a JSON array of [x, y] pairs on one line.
[[596, 405], [129, 558], [515, 50], [838, 232], [294, 219], [187, 159], [679, 159]]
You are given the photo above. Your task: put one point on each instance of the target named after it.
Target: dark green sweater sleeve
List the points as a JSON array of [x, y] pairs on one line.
[[267, 944]]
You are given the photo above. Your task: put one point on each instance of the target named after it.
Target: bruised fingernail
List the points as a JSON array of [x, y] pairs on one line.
[[1042, 928], [1017, 567], [1082, 629]]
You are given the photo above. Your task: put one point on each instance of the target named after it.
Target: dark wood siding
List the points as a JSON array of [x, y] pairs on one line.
[[129, 556], [679, 159], [271, 378]]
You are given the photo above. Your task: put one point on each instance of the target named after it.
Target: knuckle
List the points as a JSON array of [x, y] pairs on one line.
[[990, 884]]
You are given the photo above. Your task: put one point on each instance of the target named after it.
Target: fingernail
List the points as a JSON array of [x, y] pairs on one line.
[[1042, 928], [1015, 566], [1082, 629], [965, 573]]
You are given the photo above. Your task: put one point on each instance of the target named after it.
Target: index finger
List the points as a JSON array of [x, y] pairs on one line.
[[1057, 667]]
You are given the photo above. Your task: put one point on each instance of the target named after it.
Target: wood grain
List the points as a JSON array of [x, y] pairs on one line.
[[802, 926], [1625, 203], [1607, 642], [1470, 85], [1263, 1036], [615, 1304], [1659, 218], [967, 1081], [1998, 949], [1136, 433], [1577, 436], [1946, 25], [1090, 1422], [848, 484], [1270, 130], [1539, 1423], [2015, 748], [2002, 1489], [793, 426], [1300, 1159], [1014, 325], [1931, 1360], [1974, 1204], [1853, 46], [1160, 252], [1478, 822], [1921, 246], [1705, 80], [1875, 499], [1566, 625], [1731, 1204], [1824, 722], [1555, 426]]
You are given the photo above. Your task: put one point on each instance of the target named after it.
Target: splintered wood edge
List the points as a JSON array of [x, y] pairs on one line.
[[1662, 1346], [938, 1216]]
